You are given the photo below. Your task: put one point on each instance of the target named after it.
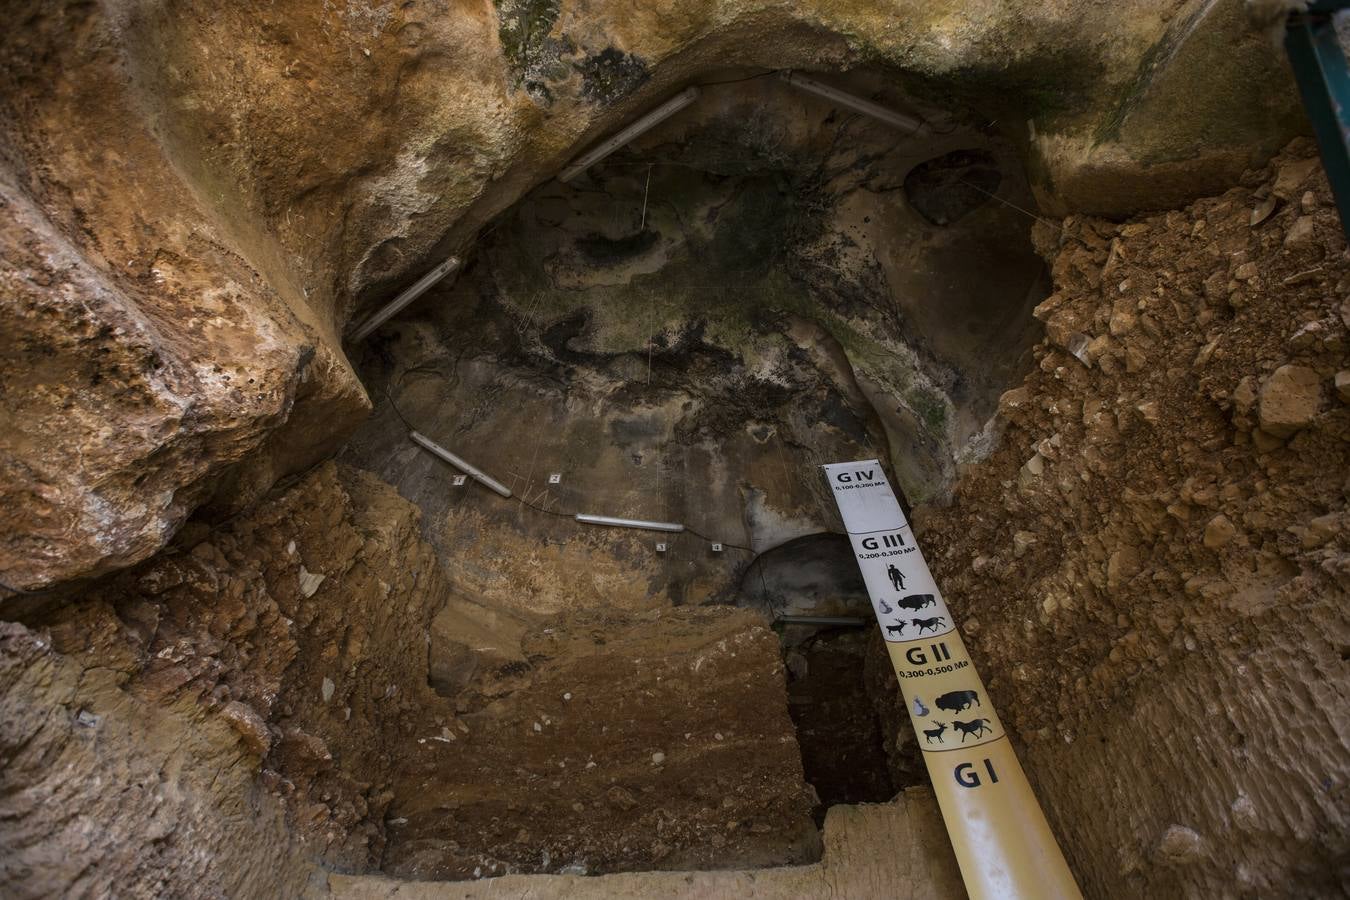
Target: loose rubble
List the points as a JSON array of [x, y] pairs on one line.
[[1160, 609]]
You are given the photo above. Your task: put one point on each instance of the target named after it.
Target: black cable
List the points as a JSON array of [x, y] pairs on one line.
[[696, 533], [737, 80], [398, 412]]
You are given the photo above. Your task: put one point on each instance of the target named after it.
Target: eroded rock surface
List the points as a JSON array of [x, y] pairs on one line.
[[201, 704], [1169, 638], [200, 198], [266, 685], [146, 363]]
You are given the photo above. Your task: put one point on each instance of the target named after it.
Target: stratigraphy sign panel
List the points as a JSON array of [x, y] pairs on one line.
[[1002, 841]]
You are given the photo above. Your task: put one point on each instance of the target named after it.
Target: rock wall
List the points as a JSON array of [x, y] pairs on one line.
[[447, 115], [215, 720], [1152, 569], [148, 360], [256, 700], [198, 198], [688, 331]]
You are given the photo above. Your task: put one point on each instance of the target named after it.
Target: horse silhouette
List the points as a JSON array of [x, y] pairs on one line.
[[974, 727], [928, 624]]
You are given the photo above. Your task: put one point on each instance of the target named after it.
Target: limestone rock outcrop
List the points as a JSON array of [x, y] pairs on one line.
[[198, 199], [147, 364], [200, 753]]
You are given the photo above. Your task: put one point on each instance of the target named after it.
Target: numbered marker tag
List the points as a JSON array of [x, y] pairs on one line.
[[555, 478], [717, 548], [460, 479], [660, 548]]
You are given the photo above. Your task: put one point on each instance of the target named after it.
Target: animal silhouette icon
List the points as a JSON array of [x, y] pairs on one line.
[[958, 701], [932, 624], [916, 602], [897, 629], [974, 727], [934, 734]]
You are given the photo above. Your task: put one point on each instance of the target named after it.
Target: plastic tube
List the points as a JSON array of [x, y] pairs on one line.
[[855, 103], [641, 126], [395, 306], [628, 523], [477, 475]]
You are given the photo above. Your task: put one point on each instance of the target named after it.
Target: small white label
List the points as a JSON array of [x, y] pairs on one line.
[[717, 548], [555, 478], [660, 548], [460, 479]]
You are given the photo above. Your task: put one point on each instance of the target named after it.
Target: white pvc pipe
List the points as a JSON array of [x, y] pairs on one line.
[[395, 306], [629, 523], [846, 621], [858, 104], [481, 477], [642, 125]]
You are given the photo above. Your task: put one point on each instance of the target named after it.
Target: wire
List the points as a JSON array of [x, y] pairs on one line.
[[738, 80], [1013, 205], [696, 533]]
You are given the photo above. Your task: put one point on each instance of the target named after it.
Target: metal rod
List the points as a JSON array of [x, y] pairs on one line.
[[482, 478], [628, 523], [642, 125], [858, 104], [822, 620], [1323, 76], [419, 288]]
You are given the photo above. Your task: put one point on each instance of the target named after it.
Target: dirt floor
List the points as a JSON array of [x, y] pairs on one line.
[[622, 741], [870, 850]]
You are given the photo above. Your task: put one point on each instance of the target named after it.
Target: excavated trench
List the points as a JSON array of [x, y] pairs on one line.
[[685, 333], [255, 641]]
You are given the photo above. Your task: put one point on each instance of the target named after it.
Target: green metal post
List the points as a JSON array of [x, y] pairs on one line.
[[1323, 77]]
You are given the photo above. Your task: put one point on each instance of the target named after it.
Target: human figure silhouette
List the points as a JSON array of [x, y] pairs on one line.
[[897, 580]]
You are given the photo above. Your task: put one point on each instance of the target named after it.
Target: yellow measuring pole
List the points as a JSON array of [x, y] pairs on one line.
[[1003, 844]]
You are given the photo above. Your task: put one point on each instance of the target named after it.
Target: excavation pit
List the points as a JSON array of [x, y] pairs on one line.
[[1081, 299]]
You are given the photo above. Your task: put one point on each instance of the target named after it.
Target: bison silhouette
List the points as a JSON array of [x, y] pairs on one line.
[[932, 624], [958, 701], [916, 602], [974, 727]]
